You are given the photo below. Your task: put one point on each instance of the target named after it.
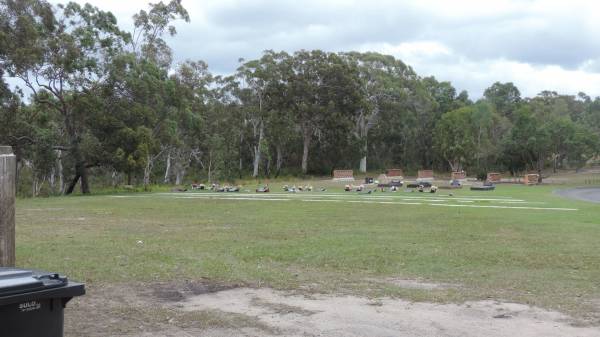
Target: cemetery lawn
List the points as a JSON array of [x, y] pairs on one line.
[[354, 245]]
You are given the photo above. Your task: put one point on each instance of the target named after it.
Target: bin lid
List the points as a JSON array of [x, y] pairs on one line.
[[17, 281]]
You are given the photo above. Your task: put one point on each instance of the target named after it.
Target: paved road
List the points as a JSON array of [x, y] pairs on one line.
[[591, 194]]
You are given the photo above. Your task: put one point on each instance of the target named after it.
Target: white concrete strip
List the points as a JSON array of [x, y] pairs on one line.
[[240, 198], [508, 207], [385, 202]]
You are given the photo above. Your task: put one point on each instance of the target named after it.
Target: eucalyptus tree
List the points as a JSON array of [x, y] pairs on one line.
[[591, 116], [527, 145], [193, 81], [454, 137], [253, 90], [443, 98], [506, 98], [150, 27], [383, 81], [323, 87], [141, 103], [60, 53]]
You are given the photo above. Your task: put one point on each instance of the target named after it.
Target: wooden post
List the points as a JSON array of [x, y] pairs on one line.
[[8, 168]]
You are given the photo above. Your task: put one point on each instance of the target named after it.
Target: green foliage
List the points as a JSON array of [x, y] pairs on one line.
[[454, 137], [109, 102]]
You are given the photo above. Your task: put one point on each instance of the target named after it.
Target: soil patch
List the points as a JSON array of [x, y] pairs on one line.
[[174, 292], [204, 308], [356, 316]]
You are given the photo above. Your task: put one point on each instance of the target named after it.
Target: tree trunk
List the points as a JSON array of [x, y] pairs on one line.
[[362, 134], [540, 168], [257, 150], [166, 180], [80, 165], [80, 173], [179, 174], [454, 165], [306, 134], [363, 165], [362, 168], [268, 167], [240, 151], [113, 178], [52, 180], [59, 172], [210, 168], [71, 186], [279, 160], [85, 185], [147, 170], [34, 185]]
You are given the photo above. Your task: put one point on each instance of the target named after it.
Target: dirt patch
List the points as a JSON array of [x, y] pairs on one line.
[[143, 310], [355, 316], [281, 308], [418, 284], [204, 308], [174, 292]]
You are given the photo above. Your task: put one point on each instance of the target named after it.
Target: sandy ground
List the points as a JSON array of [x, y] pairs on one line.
[[321, 315], [585, 194], [215, 310]]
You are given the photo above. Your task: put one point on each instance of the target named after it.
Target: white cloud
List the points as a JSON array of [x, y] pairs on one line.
[[537, 44], [411, 52]]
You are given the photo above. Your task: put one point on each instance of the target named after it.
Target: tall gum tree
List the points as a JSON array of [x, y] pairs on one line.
[[60, 54], [383, 80], [321, 86]]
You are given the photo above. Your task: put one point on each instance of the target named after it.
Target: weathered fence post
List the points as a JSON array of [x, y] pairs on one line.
[[8, 167]]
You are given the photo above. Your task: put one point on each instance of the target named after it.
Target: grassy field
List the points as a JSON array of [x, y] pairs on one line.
[[517, 243]]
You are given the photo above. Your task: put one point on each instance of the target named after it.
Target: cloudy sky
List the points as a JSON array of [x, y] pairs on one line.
[[538, 45]]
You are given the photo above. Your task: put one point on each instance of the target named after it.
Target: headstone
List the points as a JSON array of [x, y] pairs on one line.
[[343, 175], [8, 168], [494, 177], [395, 173], [459, 175], [425, 175], [531, 179]]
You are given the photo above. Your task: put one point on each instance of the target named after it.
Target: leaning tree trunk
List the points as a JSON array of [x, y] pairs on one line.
[[80, 174], [168, 169], [71, 186], [80, 164]]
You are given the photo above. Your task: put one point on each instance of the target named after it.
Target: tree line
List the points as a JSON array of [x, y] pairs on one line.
[[96, 103]]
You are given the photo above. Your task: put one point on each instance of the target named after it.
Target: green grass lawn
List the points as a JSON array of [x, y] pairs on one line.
[[548, 258]]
